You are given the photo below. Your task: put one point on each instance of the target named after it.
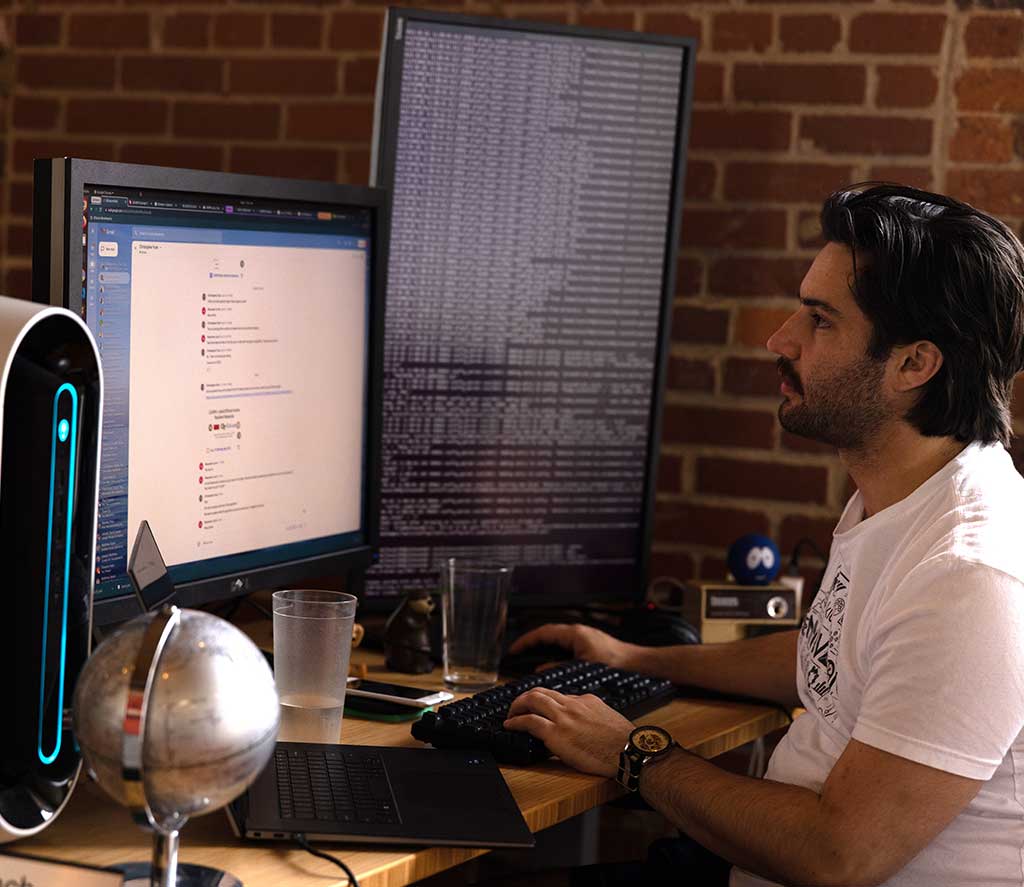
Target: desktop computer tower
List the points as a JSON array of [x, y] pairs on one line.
[[51, 401]]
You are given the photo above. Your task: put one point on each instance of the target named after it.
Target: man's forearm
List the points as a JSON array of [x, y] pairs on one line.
[[775, 830], [764, 667]]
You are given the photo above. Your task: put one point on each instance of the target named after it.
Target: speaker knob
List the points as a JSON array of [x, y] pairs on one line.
[[778, 607]]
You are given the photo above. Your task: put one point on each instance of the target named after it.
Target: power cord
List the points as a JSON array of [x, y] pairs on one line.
[[300, 839]]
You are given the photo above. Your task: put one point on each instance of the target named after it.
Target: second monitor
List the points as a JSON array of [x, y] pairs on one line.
[[239, 337]]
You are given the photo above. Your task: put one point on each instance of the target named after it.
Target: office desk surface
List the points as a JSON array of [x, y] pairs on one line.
[[95, 831]]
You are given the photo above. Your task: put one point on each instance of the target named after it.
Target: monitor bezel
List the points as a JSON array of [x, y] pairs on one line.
[[58, 190], [382, 175]]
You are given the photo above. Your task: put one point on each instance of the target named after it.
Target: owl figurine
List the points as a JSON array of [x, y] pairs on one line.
[[407, 635]]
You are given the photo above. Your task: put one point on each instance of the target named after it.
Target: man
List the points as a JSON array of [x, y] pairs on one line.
[[908, 767]]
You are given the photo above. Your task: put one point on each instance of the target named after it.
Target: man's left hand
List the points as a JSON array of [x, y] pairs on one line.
[[583, 731]]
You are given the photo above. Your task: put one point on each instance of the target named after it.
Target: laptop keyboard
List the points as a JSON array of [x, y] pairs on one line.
[[333, 785]]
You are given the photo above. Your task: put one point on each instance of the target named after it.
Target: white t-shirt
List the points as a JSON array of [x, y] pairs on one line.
[[915, 645]]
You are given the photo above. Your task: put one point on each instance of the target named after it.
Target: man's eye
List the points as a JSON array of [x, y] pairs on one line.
[[819, 320]]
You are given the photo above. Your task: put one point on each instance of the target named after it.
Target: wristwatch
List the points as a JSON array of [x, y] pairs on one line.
[[645, 745]]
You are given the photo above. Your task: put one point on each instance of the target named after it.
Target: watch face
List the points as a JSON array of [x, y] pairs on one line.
[[650, 740]]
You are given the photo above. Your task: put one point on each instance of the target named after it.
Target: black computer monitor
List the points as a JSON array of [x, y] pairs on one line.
[[536, 174], [239, 328]]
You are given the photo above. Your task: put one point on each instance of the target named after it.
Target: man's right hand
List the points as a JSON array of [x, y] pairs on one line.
[[584, 642]]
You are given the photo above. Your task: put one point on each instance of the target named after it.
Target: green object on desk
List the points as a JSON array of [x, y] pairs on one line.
[[381, 710]]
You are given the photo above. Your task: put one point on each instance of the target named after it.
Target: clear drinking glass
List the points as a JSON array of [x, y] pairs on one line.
[[474, 608], [312, 646]]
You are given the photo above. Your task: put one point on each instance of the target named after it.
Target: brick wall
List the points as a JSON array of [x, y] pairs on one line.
[[792, 99]]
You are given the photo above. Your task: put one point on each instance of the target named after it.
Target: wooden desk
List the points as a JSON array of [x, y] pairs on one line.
[[94, 830]]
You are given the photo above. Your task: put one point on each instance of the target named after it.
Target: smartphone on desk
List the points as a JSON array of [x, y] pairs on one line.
[[414, 697]]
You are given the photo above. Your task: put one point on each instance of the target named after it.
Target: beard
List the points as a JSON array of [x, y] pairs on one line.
[[844, 409]]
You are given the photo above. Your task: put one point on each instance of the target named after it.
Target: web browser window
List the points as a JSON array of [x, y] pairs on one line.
[[233, 337]]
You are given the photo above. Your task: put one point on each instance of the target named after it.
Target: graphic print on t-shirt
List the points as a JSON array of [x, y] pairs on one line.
[[820, 635]]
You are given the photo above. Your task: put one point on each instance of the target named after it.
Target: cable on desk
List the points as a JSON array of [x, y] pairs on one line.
[[300, 839]]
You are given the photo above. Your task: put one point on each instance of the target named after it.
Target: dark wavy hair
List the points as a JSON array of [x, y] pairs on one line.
[[929, 267]]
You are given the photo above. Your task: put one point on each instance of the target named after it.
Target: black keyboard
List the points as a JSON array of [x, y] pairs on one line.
[[335, 785], [476, 722]]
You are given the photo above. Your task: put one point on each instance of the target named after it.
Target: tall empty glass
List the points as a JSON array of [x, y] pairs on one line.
[[474, 606], [312, 646]]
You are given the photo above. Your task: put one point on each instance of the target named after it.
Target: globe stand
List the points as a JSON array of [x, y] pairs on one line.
[[165, 871]]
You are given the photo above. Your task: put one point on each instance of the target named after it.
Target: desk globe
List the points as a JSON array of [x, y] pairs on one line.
[[176, 714]]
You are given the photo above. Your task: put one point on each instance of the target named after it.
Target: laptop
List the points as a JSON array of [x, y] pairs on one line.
[[381, 795]]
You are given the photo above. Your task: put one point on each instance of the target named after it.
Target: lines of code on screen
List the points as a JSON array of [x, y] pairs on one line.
[[532, 186]]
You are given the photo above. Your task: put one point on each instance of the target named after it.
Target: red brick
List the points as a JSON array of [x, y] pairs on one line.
[[755, 325], [716, 569], [21, 198], [808, 230], [690, 375], [33, 29], [784, 182], [613, 21], [356, 30], [239, 30], [172, 73], [534, 13], [813, 84], [756, 276], [360, 77], [728, 428], [221, 120], [187, 30], [292, 76], [861, 134], [18, 283], [70, 71], [997, 36], [991, 89], [675, 564], [357, 166], [670, 471], [297, 30], [173, 154], [1018, 138], [676, 24], [734, 228], [997, 191], [109, 30], [809, 33], [802, 445], [982, 140], [331, 121], [27, 150], [915, 176], [302, 163], [897, 32], [797, 527], [19, 240], [741, 30], [705, 524], [700, 179], [116, 115], [705, 325], [747, 375], [904, 86], [709, 82], [32, 113], [747, 130], [689, 275], [762, 480]]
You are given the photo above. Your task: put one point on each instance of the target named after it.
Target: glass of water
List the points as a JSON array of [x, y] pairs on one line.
[[474, 596], [312, 646]]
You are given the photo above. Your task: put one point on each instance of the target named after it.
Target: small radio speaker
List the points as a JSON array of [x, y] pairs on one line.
[[724, 610]]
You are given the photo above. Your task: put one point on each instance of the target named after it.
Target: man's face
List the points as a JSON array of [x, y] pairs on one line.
[[833, 391]]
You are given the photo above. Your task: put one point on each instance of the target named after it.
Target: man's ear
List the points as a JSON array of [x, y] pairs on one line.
[[914, 364]]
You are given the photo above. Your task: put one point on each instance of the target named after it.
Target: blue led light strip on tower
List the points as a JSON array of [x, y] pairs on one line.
[[62, 431]]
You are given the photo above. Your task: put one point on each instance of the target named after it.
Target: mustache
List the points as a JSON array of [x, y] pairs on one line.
[[788, 372]]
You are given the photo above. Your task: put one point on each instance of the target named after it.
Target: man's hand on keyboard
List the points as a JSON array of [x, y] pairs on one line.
[[583, 731], [590, 644]]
